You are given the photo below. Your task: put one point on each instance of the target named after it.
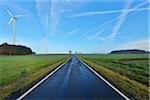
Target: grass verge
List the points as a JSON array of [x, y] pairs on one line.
[[16, 87], [131, 88]]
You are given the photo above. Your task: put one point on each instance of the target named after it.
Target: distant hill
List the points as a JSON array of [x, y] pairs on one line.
[[7, 49], [131, 51]]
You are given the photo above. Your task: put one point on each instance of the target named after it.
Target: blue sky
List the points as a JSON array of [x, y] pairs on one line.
[[88, 26]]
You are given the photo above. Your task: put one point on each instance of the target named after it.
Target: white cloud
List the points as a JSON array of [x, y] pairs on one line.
[[136, 44], [142, 44]]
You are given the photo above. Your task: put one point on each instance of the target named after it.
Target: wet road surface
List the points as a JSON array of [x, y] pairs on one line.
[[73, 81]]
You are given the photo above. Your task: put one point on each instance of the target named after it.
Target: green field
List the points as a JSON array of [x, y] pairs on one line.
[[128, 72], [17, 72]]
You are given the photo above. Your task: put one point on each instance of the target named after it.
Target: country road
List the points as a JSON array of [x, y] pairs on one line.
[[73, 81]]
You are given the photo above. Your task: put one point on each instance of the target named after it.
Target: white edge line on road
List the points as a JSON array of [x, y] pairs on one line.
[[40, 82], [113, 87]]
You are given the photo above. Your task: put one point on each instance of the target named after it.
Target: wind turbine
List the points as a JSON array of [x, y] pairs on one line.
[[13, 20]]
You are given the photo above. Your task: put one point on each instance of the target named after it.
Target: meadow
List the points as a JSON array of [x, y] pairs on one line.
[[16, 72], [128, 72]]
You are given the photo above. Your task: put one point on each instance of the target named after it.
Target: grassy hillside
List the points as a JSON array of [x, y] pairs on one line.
[[128, 72], [18, 71]]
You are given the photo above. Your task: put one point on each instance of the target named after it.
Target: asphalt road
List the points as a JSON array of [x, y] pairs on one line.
[[71, 82]]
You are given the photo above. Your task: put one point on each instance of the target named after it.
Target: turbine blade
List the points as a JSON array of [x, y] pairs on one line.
[[21, 15], [10, 21], [8, 12]]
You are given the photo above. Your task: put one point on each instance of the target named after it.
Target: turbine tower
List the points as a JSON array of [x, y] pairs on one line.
[[13, 20]]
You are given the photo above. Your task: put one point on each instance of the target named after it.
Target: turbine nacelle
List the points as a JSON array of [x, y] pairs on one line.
[[14, 17]]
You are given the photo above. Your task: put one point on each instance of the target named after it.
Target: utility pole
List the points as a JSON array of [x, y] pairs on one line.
[[46, 45]]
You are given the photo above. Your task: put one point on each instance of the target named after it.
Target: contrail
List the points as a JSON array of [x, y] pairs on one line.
[[120, 20], [97, 35], [54, 16], [108, 12], [114, 19], [104, 24], [136, 8], [140, 5], [72, 32]]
